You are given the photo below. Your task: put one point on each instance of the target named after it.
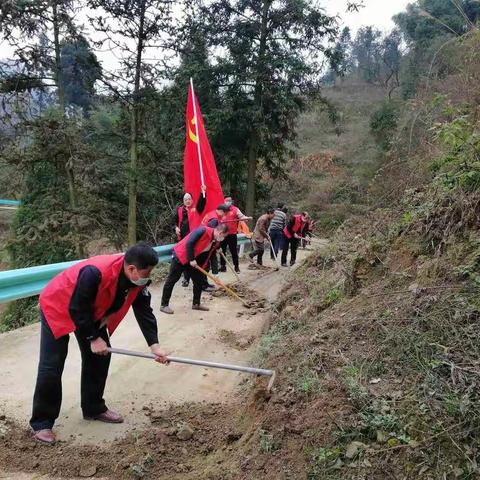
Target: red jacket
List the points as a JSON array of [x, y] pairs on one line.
[[202, 245], [231, 219], [55, 297], [296, 228]]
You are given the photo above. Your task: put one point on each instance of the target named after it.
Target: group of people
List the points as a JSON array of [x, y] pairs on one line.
[[196, 250], [92, 297], [281, 233]]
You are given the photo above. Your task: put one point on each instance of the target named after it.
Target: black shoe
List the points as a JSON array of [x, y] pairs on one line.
[[223, 269], [237, 270], [208, 288], [284, 265], [292, 263], [185, 283]]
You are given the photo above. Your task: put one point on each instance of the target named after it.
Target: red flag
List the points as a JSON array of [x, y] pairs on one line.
[[199, 165]]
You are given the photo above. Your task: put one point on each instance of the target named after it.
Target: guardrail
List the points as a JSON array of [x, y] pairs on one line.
[[28, 282], [10, 203]]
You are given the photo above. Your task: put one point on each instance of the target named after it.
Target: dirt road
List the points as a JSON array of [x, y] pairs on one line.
[[219, 335]]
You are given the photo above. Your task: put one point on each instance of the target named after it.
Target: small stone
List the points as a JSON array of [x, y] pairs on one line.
[[374, 381], [185, 432], [353, 449], [87, 471], [3, 418]]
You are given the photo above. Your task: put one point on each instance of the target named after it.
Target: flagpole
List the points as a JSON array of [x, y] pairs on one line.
[[198, 136]]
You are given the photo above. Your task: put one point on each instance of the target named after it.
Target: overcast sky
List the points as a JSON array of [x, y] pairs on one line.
[[374, 12]]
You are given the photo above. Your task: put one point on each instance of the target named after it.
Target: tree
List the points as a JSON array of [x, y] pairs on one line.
[[272, 55], [132, 27], [341, 63], [81, 71], [366, 52], [426, 26], [391, 58], [36, 29]]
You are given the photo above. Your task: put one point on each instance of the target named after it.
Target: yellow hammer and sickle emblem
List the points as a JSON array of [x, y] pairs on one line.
[[192, 135]]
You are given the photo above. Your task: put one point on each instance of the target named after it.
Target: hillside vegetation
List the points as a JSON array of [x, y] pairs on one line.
[[377, 337]]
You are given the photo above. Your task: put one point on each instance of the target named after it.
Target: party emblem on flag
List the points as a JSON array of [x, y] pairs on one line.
[[199, 166]]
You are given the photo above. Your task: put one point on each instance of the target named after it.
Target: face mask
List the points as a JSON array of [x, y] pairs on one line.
[[228, 204], [141, 282]]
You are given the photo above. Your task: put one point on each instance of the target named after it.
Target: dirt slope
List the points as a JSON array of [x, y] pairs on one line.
[[148, 394]]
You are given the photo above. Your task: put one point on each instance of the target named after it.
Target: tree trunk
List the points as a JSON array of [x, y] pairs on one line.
[[59, 81], [252, 173], [258, 101], [58, 60], [133, 174]]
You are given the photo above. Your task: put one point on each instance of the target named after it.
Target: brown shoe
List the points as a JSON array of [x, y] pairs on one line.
[[166, 309], [203, 308], [45, 436], [108, 417]]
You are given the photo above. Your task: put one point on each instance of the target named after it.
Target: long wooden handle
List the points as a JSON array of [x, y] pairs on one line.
[[229, 265], [220, 284]]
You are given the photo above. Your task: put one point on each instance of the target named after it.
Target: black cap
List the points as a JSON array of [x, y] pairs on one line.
[[223, 208]]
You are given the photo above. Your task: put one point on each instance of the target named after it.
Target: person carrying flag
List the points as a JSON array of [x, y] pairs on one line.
[[187, 217], [194, 250], [231, 219]]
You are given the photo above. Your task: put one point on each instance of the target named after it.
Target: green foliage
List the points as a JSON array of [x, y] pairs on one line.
[[268, 444], [459, 167], [80, 72], [383, 124], [366, 51], [19, 313]]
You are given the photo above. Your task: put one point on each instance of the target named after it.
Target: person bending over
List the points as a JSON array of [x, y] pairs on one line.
[[90, 299], [194, 250]]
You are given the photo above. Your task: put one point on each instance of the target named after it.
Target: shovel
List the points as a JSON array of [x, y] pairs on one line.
[[202, 363]]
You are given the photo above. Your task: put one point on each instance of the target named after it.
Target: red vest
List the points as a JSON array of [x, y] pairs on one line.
[[231, 219], [55, 297], [297, 226], [211, 216], [193, 217], [201, 246]]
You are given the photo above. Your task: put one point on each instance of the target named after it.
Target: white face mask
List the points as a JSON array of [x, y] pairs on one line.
[[141, 282], [228, 204]]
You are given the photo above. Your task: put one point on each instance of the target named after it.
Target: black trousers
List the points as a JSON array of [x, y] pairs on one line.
[[176, 270], [230, 242], [293, 244], [47, 398]]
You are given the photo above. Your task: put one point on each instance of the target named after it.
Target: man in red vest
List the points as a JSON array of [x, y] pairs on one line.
[[291, 237], [212, 219], [90, 299], [194, 250], [187, 217], [233, 216]]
